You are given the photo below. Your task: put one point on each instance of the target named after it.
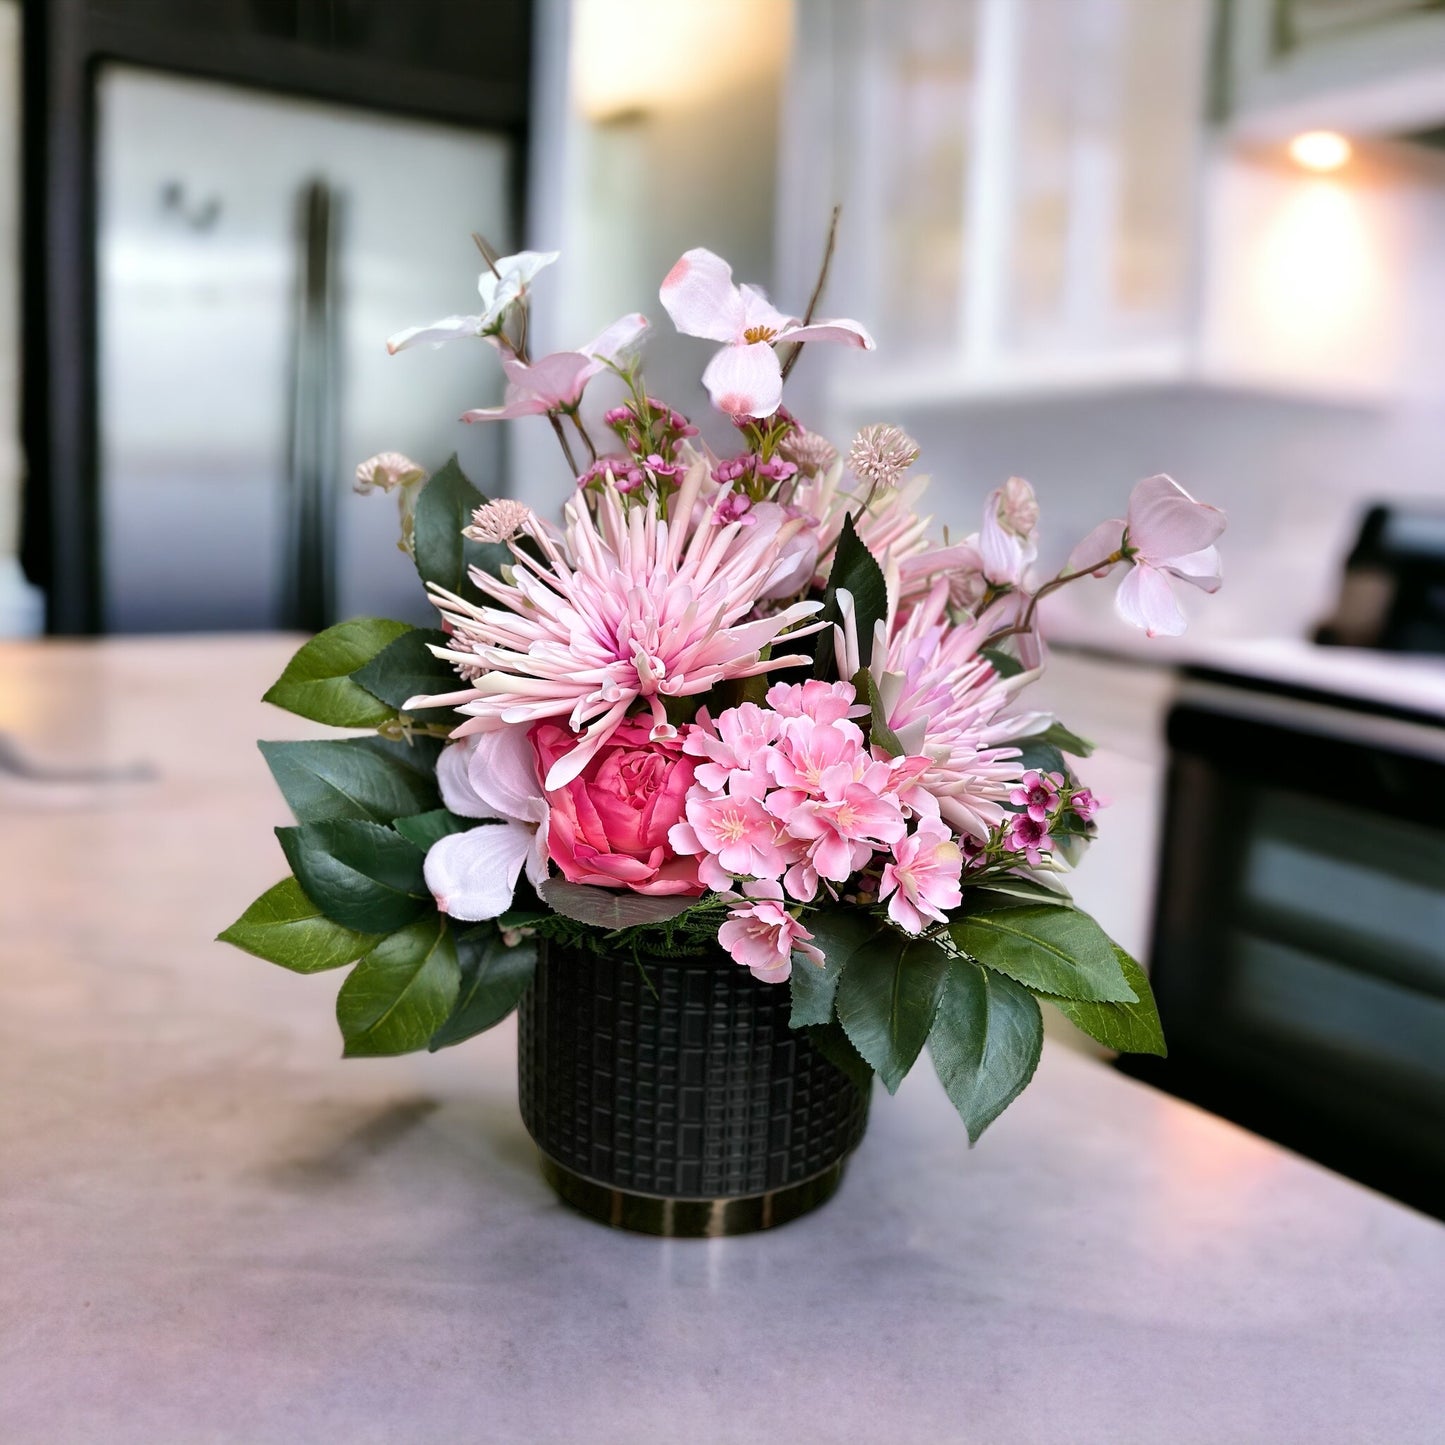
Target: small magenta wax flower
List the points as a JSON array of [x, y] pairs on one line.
[[1030, 836], [1038, 794]]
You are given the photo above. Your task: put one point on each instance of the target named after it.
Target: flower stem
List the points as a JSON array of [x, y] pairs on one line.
[[582, 432], [1062, 580], [562, 442], [813, 300]]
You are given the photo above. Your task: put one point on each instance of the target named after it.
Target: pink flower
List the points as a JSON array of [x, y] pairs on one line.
[[499, 286], [1165, 534], [1085, 804], [609, 824], [763, 936], [1008, 540], [735, 833], [734, 744], [922, 880], [472, 874], [844, 831], [1029, 836], [823, 702], [1037, 794], [627, 605], [556, 382], [745, 377]]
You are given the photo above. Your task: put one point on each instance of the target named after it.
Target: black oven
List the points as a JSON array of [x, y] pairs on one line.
[[1299, 944]]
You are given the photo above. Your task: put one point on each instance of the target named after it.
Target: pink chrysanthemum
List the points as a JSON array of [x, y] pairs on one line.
[[946, 701], [625, 608]]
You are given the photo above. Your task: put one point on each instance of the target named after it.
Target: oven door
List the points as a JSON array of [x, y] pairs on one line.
[[1299, 948]]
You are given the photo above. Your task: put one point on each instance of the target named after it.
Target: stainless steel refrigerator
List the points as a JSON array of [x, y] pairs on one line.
[[254, 253]]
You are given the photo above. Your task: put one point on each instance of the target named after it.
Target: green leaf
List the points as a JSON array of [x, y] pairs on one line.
[[1054, 950], [830, 1041], [886, 1001], [371, 778], [317, 681], [1066, 741], [1041, 757], [359, 874], [610, 908], [1131, 1028], [856, 570], [1003, 663], [424, 829], [284, 926], [839, 933], [494, 978], [407, 668], [985, 1042], [878, 730], [394, 1000], [443, 507], [1017, 887]]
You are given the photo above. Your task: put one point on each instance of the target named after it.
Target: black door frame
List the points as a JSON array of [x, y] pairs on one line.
[[65, 42]]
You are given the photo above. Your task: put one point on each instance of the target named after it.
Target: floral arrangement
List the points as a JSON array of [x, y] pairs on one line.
[[745, 705]]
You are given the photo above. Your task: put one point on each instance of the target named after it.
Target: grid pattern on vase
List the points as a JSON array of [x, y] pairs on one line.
[[678, 1078]]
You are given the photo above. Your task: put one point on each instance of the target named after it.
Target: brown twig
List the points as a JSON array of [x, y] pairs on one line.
[[562, 441], [1051, 586], [813, 300]]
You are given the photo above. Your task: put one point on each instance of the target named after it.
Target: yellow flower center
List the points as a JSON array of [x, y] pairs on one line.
[[755, 334]]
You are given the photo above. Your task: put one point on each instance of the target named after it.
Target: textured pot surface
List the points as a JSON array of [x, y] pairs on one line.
[[680, 1080]]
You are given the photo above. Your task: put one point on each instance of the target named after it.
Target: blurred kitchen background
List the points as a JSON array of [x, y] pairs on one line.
[[1095, 239]]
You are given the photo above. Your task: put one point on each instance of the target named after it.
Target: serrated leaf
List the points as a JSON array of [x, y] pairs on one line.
[[985, 1042], [443, 507], [879, 733], [1131, 1028], [830, 1041], [610, 908], [424, 829], [856, 570], [407, 668], [494, 978], [838, 933], [372, 778], [394, 1000], [886, 1001], [360, 874], [1054, 950], [1066, 741], [284, 926], [317, 682]]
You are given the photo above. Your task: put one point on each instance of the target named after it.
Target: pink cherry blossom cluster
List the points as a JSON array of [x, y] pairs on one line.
[[790, 800]]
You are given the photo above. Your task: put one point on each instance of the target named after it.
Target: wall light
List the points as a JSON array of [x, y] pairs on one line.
[[1320, 150]]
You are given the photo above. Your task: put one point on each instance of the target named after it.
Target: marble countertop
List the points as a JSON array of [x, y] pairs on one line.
[[214, 1230]]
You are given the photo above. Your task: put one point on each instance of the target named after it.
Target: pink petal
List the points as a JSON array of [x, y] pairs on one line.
[[515, 406], [1165, 521], [1002, 552], [449, 328], [850, 333], [1202, 568], [502, 771], [557, 379], [745, 380], [618, 340], [1100, 543], [760, 312], [473, 875], [699, 295], [1146, 599]]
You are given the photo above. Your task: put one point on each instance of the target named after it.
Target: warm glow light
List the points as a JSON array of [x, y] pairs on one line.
[[1320, 150]]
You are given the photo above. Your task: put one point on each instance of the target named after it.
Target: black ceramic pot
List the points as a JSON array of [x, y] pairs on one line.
[[673, 1097]]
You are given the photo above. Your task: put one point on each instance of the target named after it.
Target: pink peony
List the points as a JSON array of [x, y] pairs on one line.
[[922, 879], [763, 936], [609, 824]]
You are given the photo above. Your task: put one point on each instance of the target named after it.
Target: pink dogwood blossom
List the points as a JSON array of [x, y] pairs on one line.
[[499, 286], [1165, 534], [556, 382], [745, 378], [921, 881]]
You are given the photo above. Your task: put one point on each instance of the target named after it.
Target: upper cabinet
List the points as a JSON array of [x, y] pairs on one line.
[[1044, 196], [1364, 67]]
